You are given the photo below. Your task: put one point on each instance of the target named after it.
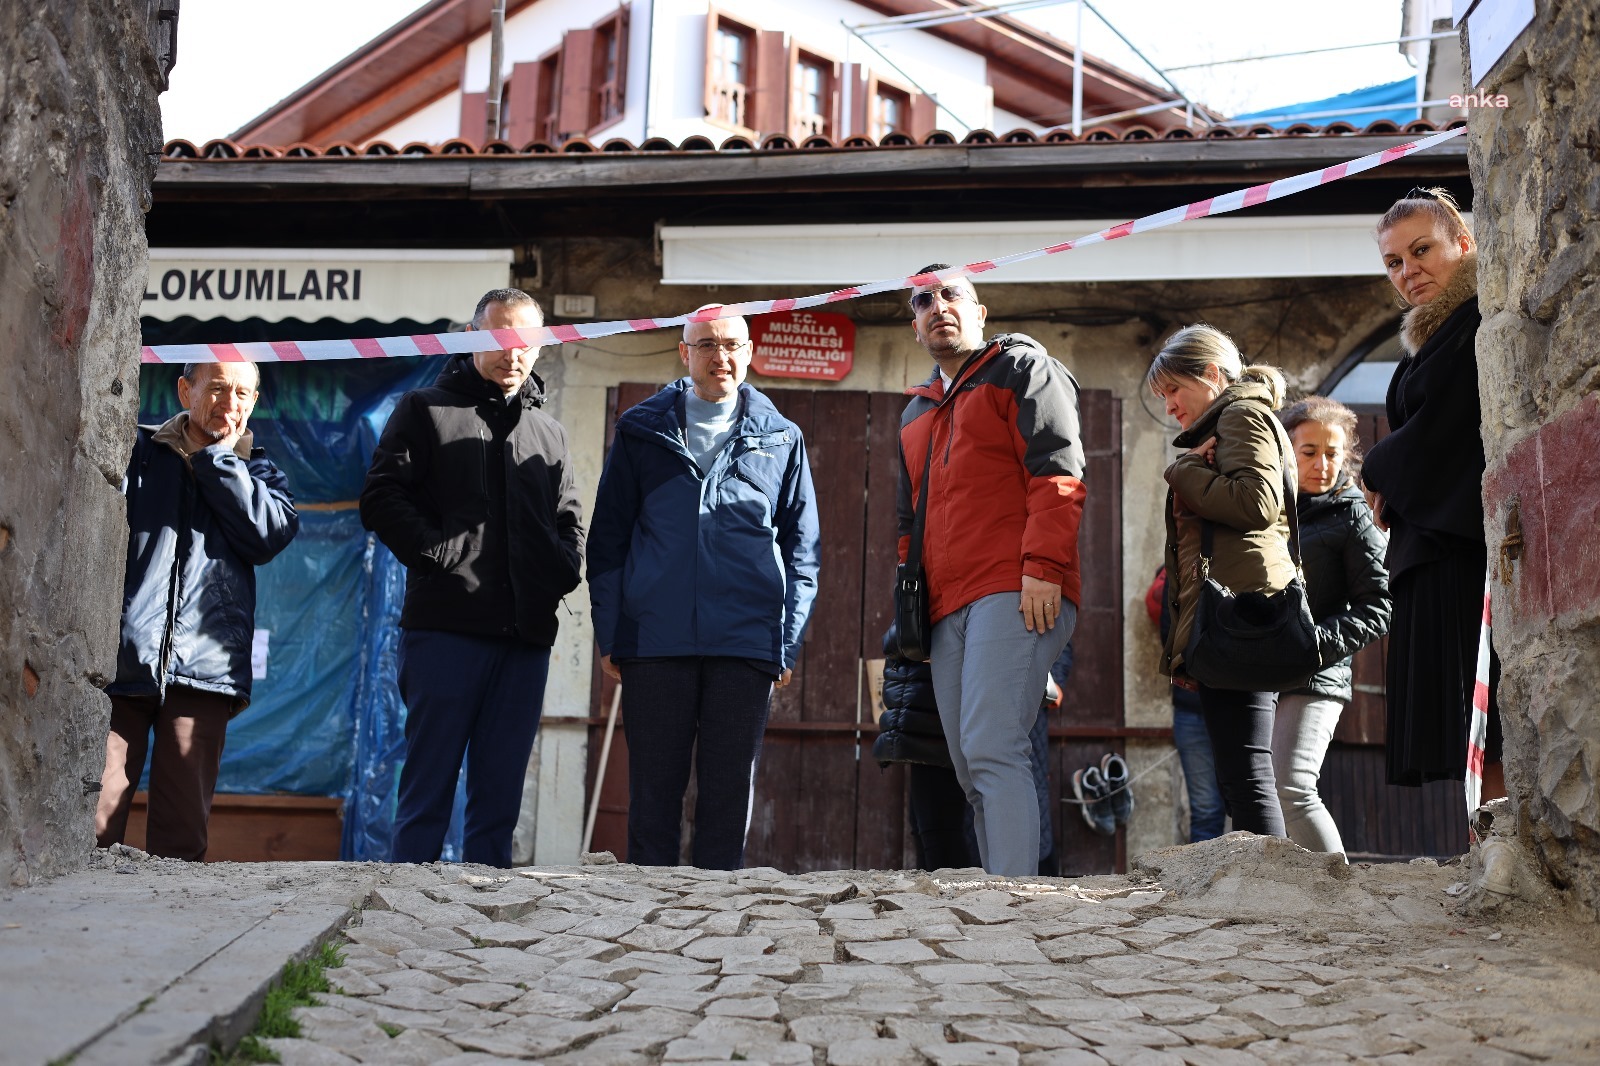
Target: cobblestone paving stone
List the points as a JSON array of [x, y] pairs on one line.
[[614, 965]]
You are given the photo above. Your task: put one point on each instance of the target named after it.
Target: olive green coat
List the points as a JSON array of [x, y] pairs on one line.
[[1242, 495]]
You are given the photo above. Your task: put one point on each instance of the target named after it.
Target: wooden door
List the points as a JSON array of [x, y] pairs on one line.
[[821, 801]]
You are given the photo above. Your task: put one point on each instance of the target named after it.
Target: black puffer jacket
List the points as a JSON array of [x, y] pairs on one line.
[[474, 494], [1341, 551], [909, 730]]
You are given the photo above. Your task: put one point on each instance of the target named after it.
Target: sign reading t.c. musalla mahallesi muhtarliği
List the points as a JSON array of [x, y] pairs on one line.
[[814, 345]]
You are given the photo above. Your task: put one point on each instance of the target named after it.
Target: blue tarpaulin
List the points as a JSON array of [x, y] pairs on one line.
[[1402, 94], [326, 719]]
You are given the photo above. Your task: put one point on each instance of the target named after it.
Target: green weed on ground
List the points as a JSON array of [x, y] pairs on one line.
[[297, 986]]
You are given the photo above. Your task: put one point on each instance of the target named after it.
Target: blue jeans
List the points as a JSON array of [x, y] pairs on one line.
[[1039, 741], [711, 711], [1207, 813], [478, 697]]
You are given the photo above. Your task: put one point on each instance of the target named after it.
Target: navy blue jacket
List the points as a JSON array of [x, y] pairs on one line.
[[724, 564], [196, 532]]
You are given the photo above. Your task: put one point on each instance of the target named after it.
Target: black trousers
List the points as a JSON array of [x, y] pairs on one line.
[[1240, 727], [708, 711], [940, 819]]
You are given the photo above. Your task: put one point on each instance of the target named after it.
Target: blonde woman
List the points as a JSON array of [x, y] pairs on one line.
[[1232, 474], [1427, 481], [1341, 552]]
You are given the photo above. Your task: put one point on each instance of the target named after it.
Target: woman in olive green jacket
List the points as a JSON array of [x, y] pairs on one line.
[[1232, 474]]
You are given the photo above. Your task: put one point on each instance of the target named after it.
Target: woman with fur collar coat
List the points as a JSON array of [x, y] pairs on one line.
[[1427, 478]]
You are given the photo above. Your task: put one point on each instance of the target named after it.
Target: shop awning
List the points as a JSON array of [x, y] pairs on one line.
[[347, 284], [1259, 246]]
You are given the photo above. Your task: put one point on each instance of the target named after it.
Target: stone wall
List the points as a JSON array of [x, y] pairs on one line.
[[1534, 167], [78, 131]]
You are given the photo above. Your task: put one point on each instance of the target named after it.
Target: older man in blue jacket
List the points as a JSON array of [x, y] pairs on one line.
[[205, 508], [702, 570]]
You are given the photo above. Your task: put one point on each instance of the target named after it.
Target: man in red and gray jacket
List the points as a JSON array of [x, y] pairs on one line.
[[1000, 547]]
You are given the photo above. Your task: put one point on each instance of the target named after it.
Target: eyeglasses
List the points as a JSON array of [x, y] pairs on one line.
[[726, 347], [950, 294]]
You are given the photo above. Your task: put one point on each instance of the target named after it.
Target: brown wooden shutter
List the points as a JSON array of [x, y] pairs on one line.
[[835, 113], [522, 104], [622, 61], [924, 117], [769, 111], [474, 114], [577, 83], [711, 62], [860, 101]]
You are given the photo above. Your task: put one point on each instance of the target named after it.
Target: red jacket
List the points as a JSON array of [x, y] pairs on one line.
[[1005, 489]]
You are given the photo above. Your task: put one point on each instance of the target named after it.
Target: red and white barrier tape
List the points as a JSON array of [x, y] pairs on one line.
[[1478, 736], [493, 340]]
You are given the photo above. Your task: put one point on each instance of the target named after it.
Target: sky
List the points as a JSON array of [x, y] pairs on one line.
[[235, 59]]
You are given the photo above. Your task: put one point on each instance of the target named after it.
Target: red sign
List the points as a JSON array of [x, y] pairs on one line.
[[814, 345]]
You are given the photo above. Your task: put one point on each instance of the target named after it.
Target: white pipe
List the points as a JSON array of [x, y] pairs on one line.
[[1077, 75], [1314, 51], [600, 769], [493, 113]]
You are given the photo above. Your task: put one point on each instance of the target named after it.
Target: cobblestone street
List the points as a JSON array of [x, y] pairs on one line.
[[1262, 954]]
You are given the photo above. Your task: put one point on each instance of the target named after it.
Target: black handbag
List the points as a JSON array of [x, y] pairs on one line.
[[1253, 641], [913, 619]]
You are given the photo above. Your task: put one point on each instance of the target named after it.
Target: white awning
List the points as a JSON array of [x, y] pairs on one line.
[[347, 284], [1248, 246]]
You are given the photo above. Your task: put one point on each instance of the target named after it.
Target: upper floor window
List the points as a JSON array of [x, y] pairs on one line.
[[575, 90], [815, 91], [891, 111], [547, 122], [730, 73], [610, 58]]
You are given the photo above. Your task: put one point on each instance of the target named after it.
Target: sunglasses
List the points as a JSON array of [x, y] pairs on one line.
[[950, 294]]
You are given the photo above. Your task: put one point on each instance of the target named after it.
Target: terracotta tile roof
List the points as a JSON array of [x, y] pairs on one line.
[[225, 149]]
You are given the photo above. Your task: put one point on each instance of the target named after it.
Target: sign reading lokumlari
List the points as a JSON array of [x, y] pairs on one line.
[[814, 345], [309, 284]]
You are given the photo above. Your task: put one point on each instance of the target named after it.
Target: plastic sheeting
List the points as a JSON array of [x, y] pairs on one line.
[[1402, 94], [326, 719], [379, 723]]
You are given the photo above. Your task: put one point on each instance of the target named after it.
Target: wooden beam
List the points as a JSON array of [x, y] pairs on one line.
[[1222, 161]]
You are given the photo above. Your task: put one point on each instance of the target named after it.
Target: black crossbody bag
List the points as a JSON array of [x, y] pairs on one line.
[[913, 617], [1253, 641]]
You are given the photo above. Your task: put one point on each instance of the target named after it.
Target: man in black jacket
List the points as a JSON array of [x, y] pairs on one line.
[[204, 510], [471, 488]]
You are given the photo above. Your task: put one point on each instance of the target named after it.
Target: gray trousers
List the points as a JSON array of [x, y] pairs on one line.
[[988, 677], [1301, 732]]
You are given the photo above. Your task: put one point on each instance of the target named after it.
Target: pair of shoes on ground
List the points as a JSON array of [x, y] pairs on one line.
[[1103, 794]]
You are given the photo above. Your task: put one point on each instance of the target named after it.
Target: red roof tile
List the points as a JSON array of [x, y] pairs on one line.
[[225, 150]]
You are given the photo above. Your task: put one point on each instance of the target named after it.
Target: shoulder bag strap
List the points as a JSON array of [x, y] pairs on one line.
[[914, 549]]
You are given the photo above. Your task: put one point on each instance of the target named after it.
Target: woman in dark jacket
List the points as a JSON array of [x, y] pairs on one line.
[[1427, 477], [1341, 554], [1232, 477]]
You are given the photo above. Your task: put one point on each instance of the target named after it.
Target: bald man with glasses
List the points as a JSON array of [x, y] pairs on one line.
[[993, 435], [702, 561]]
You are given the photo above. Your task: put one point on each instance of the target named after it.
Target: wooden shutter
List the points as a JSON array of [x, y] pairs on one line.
[[577, 83], [924, 118], [621, 83], [769, 111], [522, 104], [474, 114]]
